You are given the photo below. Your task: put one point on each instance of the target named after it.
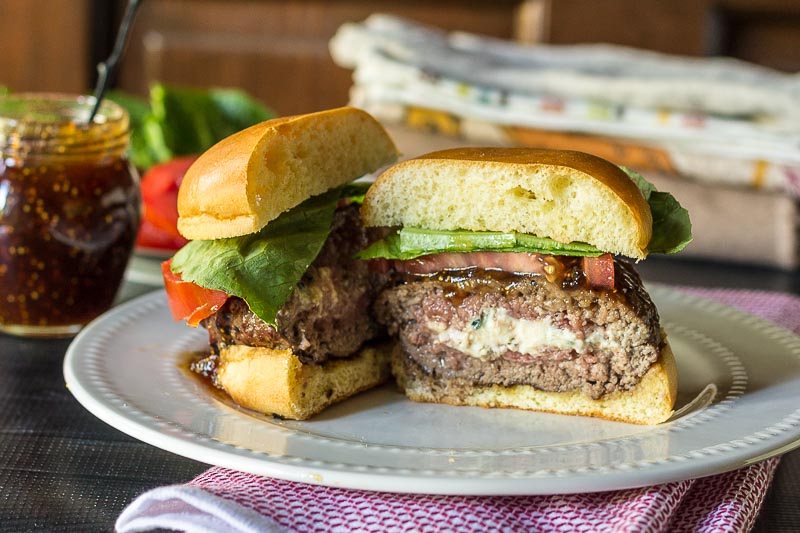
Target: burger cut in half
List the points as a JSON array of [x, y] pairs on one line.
[[509, 289], [273, 221]]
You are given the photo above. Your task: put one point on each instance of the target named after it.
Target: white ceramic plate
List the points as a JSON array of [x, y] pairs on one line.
[[126, 368]]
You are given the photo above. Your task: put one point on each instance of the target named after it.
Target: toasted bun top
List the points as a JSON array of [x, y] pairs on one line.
[[251, 177], [564, 195]]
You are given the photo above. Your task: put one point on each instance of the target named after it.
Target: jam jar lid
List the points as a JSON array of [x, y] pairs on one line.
[[54, 124]]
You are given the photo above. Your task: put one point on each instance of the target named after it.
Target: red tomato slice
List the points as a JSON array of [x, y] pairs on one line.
[[163, 215], [509, 261], [150, 236], [189, 301], [165, 177], [599, 271], [160, 194]]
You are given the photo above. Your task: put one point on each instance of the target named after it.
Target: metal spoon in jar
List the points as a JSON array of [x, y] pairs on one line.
[[108, 67]]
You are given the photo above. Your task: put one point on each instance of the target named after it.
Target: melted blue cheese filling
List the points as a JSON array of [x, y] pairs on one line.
[[496, 332]]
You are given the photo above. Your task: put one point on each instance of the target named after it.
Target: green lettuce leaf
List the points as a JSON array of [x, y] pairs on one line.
[[262, 268], [408, 243], [140, 152], [672, 228], [417, 239], [183, 121], [355, 191]]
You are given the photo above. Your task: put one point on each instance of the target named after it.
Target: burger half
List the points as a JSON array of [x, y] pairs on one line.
[[509, 289], [273, 221]]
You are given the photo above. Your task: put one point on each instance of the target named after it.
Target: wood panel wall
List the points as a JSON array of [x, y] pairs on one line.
[[277, 50], [45, 45]]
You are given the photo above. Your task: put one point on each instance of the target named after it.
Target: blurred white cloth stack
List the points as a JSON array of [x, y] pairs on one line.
[[725, 126]]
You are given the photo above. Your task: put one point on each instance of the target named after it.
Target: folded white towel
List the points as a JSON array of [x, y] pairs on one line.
[[613, 74], [718, 120]]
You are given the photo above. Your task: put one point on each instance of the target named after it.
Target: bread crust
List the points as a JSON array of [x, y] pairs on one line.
[[277, 382], [520, 172], [248, 179], [650, 402]]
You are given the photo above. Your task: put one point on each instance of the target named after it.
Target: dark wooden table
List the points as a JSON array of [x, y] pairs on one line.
[[62, 469]]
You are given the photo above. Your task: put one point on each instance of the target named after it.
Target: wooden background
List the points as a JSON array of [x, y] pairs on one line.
[[278, 50]]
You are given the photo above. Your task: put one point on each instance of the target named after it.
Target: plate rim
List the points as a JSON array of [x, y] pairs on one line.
[[258, 462]]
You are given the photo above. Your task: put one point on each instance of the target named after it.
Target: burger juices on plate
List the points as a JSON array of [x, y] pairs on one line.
[[269, 272], [508, 290]]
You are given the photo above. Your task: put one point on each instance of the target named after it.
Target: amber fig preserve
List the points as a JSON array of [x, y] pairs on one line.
[[69, 212]]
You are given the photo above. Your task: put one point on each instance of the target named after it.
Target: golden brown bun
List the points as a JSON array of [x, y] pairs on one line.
[[650, 402], [564, 195], [251, 177], [276, 382]]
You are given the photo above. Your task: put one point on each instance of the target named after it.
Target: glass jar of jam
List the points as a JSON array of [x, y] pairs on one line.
[[69, 211]]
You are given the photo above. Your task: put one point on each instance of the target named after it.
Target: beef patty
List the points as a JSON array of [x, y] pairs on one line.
[[483, 328], [327, 314]]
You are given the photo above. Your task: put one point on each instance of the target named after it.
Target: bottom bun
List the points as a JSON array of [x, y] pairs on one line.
[[276, 382], [650, 402]]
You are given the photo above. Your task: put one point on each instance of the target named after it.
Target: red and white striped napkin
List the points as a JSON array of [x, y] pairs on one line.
[[226, 500]]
